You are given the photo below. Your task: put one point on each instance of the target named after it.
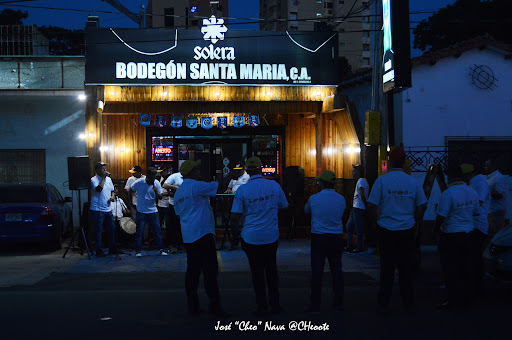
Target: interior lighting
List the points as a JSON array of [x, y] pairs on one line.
[[103, 148], [82, 97], [82, 136]]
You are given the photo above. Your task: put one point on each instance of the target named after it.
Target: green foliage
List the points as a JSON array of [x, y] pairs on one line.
[[464, 20], [63, 41], [10, 17]]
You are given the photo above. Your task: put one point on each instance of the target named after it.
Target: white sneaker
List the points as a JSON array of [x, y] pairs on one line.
[[138, 255], [162, 252]]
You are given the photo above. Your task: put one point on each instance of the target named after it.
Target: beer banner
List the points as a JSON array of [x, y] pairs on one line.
[[254, 120], [145, 119], [222, 122], [192, 122], [238, 121], [176, 122], [206, 123], [159, 121]]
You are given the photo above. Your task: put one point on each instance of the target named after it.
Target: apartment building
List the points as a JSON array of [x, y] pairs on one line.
[[351, 18], [183, 14]]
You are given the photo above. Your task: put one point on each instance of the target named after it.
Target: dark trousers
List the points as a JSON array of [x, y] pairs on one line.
[[456, 258], [477, 243], [262, 260], [328, 246], [397, 250], [202, 257], [174, 228]]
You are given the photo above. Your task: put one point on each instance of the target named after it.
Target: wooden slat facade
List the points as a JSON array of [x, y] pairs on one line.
[[317, 137]]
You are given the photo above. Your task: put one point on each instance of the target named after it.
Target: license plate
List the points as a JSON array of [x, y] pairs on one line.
[[13, 217]]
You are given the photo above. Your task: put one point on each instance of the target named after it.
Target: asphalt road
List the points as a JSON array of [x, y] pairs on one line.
[[151, 305]]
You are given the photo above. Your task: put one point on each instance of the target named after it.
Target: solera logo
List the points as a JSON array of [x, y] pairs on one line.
[[213, 30]]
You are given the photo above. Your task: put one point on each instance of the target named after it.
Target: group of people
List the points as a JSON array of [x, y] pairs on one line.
[[395, 205]]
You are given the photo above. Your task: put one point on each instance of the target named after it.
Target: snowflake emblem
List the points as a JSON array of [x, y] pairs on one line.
[[213, 29]]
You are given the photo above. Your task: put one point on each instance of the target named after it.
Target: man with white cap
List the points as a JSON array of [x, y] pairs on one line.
[[136, 172]]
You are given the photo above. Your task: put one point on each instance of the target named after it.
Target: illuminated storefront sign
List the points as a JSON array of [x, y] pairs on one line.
[[212, 54], [163, 151]]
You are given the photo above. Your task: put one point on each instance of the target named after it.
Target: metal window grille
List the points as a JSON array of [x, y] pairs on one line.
[[22, 166]]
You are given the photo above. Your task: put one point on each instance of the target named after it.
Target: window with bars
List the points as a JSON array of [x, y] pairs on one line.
[[22, 166]]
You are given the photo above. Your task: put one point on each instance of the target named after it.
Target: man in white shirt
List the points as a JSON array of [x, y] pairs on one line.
[[149, 189], [455, 219], [136, 172], [356, 219], [240, 177], [172, 183], [119, 208], [163, 203], [101, 199], [479, 183], [402, 203], [498, 207]]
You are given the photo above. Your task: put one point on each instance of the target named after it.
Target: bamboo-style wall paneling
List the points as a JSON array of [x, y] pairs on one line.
[[340, 146], [123, 144], [216, 93], [212, 107]]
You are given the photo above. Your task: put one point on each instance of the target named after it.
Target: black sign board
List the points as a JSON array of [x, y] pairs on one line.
[[210, 55]]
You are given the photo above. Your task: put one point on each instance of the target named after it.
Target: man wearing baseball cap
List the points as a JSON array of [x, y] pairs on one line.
[[256, 204], [192, 205], [402, 203], [136, 172], [326, 209]]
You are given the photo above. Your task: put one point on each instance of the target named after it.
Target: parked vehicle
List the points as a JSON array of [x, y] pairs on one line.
[[34, 213], [498, 255]]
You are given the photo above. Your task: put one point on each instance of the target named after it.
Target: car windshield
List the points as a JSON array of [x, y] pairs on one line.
[[23, 195]]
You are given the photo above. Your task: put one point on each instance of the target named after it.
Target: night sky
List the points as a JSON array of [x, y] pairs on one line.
[[237, 9]]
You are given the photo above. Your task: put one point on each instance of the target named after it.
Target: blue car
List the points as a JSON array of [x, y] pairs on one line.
[[498, 255], [34, 213]]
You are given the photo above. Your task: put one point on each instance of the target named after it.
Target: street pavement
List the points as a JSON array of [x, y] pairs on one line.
[[144, 298]]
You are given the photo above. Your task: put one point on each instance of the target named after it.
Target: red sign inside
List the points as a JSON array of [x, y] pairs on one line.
[[163, 150]]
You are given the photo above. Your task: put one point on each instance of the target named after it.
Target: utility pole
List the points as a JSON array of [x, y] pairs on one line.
[[137, 18]]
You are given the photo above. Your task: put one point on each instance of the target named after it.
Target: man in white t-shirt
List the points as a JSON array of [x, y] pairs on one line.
[[163, 203], [479, 183], [136, 172], [455, 220], [119, 208], [402, 204], [172, 183], [498, 207], [240, 177], [101, 199], [356, 219], [149, 190]]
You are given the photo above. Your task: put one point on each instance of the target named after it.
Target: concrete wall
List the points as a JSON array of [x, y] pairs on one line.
[[46, 120]]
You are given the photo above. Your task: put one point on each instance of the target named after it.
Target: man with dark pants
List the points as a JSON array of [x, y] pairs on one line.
[[327, 208], [402, 203], [172, 183], [457, 207], [258, 202], [149, 190], [192, 205], [356, 219], [101, 199], [479, 183]]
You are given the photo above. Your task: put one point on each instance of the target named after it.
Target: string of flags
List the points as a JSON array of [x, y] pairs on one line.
[[192, 122]]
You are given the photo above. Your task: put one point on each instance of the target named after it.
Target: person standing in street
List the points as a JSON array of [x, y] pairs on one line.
[[101, 213], [255, 207], [172, 183], [356, 219], [498, 206], [163, 205], [402, 204], [455, 221], [149, 190], [326, 209], [136, 172], [192, 205]]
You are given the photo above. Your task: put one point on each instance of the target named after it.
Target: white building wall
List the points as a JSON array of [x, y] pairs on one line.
[[50, 122], [444, 102]]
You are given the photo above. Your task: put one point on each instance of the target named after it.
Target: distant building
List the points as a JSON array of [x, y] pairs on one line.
[[183, 14], [22, 40], [354, 40]]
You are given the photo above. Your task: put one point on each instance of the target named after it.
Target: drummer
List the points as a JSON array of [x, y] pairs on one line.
[[118, 207]]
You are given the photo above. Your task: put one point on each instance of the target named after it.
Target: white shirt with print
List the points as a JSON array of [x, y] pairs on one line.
[[358, 201]]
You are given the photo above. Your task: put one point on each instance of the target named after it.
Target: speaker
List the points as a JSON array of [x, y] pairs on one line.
[[79, 173], [293, 181]]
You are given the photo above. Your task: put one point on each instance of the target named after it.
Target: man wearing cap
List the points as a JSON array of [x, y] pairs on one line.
[[255, 206], [172, 183], [240, 177], [136, 172], [192, 205], [455, 219], [479, 183], [326, 209], [101, 199], [149, 190], [498, 206], [356, 219], [401, 202]]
